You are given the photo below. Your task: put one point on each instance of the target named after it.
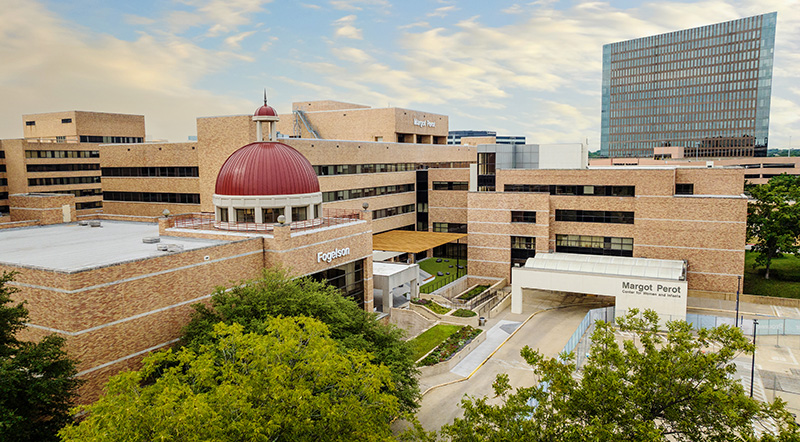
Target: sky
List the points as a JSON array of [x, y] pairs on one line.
[[527, 68]]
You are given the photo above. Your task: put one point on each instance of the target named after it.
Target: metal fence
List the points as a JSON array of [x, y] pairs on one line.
[[441, 282], [207, 221]]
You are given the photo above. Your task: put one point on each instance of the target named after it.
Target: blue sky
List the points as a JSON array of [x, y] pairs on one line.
[[520, 68]]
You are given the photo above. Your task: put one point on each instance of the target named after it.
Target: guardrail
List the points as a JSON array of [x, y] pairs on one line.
[[207, 221], [441, 282]]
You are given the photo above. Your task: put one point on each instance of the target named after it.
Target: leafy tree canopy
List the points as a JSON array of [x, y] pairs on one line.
[[773, 218], [287, 382], [276, 294], [676, 386], [37, 384]]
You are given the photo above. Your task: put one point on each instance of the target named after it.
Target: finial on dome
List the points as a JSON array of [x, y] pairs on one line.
[[265, 96]]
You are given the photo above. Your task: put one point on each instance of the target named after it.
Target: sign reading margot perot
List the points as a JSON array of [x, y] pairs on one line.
[[664, 290], [424, 123], [333, 254]]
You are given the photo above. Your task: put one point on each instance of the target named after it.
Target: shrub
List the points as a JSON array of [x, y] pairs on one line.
[[451, 346], [432, 306], [474, 292], [464, 313]]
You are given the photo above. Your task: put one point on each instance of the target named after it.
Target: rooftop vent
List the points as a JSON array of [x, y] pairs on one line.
[[151, 239]]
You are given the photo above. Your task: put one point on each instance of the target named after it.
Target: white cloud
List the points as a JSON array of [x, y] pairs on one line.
[[344, 28], [359, 5], [443, 11], [72, 69], [310, 6], [235, 41], [419, 24]]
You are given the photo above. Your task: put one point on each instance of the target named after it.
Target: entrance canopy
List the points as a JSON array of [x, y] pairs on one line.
[[642, 283], [407, 241]]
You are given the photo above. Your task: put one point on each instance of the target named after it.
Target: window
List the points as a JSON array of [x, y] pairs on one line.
[[684, 189], [571, 189], [270, 216], [523, 216], [450, 227], [318, 210], [222, 214], [450, 185], [594, 216], [61, 167], [594, 245], [148, 197], [299, 213], [392, 211], [30, 123], [348, 278], [89, 205], [522, 248], [347, 194], [66, 120], [151, 172], [245, 215], [60, 181]]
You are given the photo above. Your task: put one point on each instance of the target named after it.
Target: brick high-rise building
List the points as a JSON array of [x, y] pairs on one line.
[[706, 89]]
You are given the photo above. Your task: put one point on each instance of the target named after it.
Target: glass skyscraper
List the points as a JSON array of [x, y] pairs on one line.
[[706, 89]]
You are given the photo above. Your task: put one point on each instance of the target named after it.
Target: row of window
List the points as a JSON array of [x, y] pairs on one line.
[[2, 154], [79, 192], [450, 185], [716, 34], [347, 194], [153, 197], [89, 205], [594, 245], [2, 167], [392, 211], [62, 181], [3, 181], [3, 195], [4, 209], [450, 227], [594, 216], [569, 189], [62, 154], [110, 139], [353, 169], [268, 215], [62, 167], [522, 248], [151, 171]]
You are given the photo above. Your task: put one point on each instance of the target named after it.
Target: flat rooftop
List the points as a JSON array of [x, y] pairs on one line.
[[73, 248]]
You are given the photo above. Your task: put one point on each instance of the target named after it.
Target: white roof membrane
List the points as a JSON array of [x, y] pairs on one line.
[[610, 265]]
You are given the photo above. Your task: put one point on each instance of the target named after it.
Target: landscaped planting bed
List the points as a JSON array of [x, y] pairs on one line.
[[451, 346], [430, 338], [464, 313], [432, 306], [477, 290]]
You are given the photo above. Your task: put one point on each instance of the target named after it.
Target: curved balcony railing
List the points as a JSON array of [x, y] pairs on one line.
[[207, 221]]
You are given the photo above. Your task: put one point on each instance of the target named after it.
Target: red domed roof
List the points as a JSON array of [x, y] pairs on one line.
[[266, 111], [266, 168]]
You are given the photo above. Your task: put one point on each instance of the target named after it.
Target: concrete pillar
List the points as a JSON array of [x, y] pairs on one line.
[[414, 289], [287, 212], [516, 296], [259, 133], [232, 215], [259, 215]]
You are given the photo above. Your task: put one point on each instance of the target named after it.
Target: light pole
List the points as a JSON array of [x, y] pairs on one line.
[[753, 366], [738, 286]]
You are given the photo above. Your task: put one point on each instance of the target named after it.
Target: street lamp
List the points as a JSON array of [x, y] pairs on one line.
[[753, 366], [738, 285]]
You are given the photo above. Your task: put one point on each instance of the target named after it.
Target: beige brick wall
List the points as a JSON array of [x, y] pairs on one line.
[[49, 125], [708, 232]]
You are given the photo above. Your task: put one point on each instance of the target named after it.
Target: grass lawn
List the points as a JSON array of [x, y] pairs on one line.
[[473, 293], [784, 277], [430, 338], [431, 266]]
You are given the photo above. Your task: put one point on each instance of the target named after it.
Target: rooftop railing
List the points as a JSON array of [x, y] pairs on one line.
[[207, 221]]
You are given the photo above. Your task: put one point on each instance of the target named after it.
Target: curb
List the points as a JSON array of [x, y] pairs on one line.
[[499, 347]]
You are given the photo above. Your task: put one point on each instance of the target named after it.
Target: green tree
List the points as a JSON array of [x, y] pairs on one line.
[[676, 386], [773, 218], [287, 382], [276, 294], [37, 383]]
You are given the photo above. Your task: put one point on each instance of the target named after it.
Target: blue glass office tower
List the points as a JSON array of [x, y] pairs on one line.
[[706, 89]]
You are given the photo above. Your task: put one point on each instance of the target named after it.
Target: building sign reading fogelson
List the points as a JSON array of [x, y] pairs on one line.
[[661, 290], [424, 123], [333, 254]]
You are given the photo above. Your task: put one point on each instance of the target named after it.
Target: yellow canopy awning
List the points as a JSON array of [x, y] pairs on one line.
[[412, 242]]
